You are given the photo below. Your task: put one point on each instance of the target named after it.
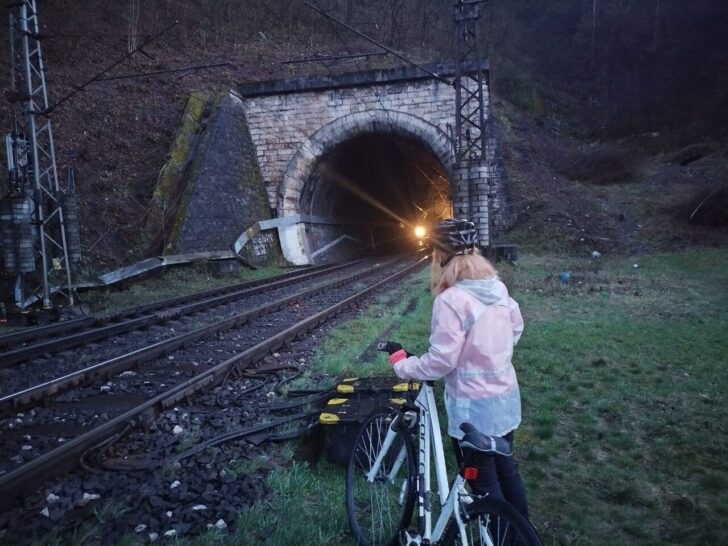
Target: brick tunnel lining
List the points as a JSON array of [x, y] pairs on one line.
[[377, 182]]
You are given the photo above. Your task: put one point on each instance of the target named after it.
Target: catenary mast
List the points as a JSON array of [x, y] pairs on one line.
[[35, 235], [473, 196]]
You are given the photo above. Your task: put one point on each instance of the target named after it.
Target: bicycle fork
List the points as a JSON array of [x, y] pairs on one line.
[[383, 451]]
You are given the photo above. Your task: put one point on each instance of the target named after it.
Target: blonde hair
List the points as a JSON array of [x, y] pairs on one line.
[[460, 267]]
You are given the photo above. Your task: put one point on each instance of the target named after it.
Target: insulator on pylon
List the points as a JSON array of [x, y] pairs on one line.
[[22, 212], [8, 236], [70, 219], [18, 251]]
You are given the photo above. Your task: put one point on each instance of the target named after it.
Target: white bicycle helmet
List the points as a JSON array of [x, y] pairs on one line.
[[456, 237]]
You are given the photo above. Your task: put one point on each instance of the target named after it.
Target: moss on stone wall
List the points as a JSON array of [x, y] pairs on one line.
[[211, 187], [252, 179], [186, 187], [164, 205]]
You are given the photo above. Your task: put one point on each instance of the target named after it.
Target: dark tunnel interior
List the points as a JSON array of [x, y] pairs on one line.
[[377, 188]]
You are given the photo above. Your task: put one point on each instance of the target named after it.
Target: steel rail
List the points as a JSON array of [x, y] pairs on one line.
[[64, 458], [37, 332], [160, 312], [121, 363]]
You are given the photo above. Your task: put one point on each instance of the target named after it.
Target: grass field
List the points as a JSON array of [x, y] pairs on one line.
[[622, 372], [169, 284]]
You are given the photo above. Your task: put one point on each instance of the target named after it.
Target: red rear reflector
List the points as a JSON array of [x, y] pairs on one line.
[[470, 473]]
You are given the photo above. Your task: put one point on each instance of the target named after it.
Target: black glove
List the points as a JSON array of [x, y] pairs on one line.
[[391, 347]]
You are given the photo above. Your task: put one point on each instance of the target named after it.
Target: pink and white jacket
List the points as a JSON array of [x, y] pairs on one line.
[[475, 325]]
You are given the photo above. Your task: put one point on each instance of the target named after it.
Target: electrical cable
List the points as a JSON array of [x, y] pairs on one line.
[[392, 124], [81, 87], [372, 40], [157, 72], [402, 198], [322, 395], [240, 433]]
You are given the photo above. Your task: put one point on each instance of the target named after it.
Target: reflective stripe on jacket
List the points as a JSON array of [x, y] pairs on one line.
[[475, 325]]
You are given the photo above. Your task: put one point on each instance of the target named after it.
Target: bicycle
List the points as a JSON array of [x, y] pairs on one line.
[[384, 481]]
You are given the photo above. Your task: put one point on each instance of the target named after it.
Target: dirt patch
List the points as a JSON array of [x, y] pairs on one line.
[[609, 166], [564, 202]]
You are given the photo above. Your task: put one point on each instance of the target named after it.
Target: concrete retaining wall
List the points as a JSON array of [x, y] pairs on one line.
[[224, 195]]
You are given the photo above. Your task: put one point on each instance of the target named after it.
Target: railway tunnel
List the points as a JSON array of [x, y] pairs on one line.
[[371, 191], [333, 165], [349, 159]]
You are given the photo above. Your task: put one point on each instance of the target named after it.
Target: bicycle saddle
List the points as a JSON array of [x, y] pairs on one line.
[[493, 445]]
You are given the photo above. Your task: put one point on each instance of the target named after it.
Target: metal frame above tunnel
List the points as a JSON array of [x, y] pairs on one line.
[[293, 237]]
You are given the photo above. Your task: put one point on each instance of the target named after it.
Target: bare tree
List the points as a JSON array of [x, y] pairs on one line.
[[656, 25], [133, 35]]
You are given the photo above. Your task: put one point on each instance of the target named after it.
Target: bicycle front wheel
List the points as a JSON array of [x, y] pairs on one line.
[[491, 522], [379, 508]]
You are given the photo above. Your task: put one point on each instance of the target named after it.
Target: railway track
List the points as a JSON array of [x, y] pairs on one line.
[[23, 346], [138, 328], [43, 381], [110, 397]]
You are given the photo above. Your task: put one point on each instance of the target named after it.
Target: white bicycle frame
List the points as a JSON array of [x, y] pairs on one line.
[[430, 443]]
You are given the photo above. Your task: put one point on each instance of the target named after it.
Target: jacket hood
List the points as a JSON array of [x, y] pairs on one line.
[[488, 291]]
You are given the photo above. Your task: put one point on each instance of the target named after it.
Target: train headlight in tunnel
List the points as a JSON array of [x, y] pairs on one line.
[[420, 232]]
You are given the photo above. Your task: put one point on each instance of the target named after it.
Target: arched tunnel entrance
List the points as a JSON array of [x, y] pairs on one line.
[[370, 191]]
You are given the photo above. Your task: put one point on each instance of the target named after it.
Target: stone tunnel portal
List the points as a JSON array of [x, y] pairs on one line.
[[370, 191], [337, 152]]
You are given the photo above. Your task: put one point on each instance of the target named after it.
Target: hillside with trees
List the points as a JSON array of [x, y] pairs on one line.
[[612, 114]]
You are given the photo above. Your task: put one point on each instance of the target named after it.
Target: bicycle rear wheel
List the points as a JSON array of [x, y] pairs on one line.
[[379, 509], [491, 522]]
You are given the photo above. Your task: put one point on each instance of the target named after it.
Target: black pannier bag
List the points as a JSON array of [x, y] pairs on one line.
[[355, 400]]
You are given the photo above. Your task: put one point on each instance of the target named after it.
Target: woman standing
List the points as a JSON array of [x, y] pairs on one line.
[[475, 325]]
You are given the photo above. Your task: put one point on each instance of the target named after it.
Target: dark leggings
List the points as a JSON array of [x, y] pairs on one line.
[[497, 476]]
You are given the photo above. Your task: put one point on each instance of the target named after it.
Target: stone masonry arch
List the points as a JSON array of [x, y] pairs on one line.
[[346, 127], [296, 124]]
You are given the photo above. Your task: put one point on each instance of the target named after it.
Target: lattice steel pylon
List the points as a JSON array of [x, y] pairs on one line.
[[470, 118], [32, 141]]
